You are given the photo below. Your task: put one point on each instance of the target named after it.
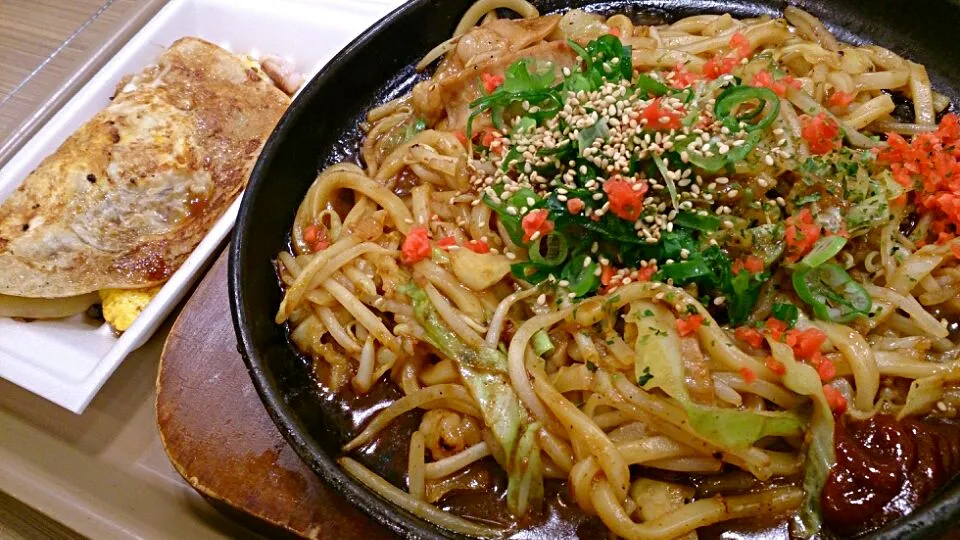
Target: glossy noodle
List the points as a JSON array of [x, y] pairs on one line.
[[666, 268]]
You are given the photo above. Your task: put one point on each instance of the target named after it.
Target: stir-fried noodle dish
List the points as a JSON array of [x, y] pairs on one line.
[[643, 281]]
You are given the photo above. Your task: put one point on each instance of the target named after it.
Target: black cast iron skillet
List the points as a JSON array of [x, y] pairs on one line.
[[321, 128]]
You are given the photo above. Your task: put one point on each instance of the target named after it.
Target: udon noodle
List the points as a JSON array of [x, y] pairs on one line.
[[683, 269]]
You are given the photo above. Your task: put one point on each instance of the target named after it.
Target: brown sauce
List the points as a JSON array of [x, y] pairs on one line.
[[196, 205], [405, 180], [386, 454], [885, 468]]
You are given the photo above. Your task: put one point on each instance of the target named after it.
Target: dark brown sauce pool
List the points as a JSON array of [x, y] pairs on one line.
[[886, 468]]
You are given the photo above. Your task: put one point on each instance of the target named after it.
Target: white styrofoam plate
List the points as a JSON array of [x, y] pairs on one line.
[[67, 361]]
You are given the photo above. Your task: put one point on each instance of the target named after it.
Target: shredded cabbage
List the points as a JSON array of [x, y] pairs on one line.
[[820, 457], [484, 370], [658, 363]]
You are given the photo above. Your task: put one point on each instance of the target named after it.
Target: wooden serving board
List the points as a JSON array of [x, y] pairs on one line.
[[220, 438]]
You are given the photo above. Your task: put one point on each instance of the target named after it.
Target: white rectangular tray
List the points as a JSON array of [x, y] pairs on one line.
[[67, 361]]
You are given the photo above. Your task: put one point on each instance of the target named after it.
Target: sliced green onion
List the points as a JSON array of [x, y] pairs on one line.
[[524, 125], [825, 249], [513, 157], [683, 272], [530, 272], [547, 100], [692, 220], [582, 53], [831, 293], [576, 82], [518, 200], [729, 99], [541, 343], [650, 86], [522, 197], [587, 136], [582, 279], [719, 161], [787, 313], [556, 250], [768, 242]]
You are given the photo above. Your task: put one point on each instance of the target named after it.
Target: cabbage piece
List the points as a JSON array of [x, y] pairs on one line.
[[526, 476], [484, 371], [478, 271], [739, 429], [820, 458], [923, 394], [659, 365]]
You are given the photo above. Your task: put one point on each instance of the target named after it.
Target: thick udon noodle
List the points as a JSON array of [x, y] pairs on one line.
[[584, 413]]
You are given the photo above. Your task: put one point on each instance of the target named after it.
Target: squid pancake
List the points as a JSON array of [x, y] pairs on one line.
[[125, 200]]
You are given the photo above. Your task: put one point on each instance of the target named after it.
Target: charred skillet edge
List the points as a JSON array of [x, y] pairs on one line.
[[928, 521], [934, 519]]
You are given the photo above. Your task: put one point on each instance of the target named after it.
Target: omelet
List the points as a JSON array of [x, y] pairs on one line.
[[122, 307], [130, 194]]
